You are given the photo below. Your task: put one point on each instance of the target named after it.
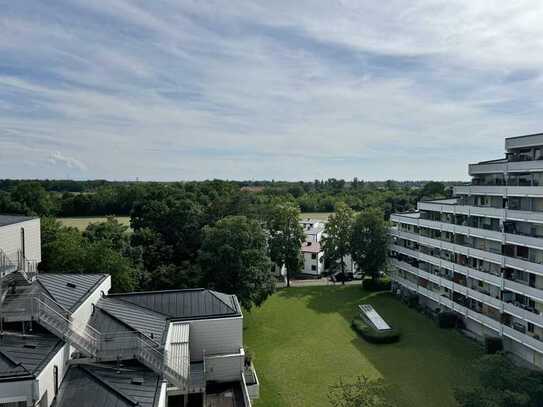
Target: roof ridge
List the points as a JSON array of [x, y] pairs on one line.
[[108, 386], [175, 290]]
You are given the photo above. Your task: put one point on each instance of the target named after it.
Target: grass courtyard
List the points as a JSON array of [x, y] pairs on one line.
[[82, 222], [302, 342]]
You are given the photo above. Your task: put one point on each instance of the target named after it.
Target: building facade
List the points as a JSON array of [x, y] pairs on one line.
[[480, 254], [66, 341]]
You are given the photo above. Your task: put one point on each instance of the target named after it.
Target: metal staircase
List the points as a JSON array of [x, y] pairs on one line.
[[113, 346]]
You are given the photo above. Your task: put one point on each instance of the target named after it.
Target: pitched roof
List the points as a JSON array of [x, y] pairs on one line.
[[11, 219], [69, 290], [149, 323], [109, 386], [184, 304], [23, 355]]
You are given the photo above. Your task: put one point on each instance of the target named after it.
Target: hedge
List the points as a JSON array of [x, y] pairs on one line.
[[381, 284], [493, 344], [372, 335], [447, 319]]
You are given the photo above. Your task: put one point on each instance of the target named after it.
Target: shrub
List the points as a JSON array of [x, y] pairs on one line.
[[447, 320], [381, 284], [493, 344], [373, 335], [412, 301]]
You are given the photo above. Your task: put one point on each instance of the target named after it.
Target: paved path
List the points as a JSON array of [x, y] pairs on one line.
[[317, 282]]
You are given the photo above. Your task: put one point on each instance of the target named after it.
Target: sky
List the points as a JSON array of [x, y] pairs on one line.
[[284, 90]]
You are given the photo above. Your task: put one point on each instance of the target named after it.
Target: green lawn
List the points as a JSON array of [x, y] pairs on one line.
[[302, 342], [82, 222]]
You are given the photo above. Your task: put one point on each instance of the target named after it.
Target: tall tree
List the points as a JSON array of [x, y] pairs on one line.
[[234, 259], [285, 237], [362, 392], [337, 237], [369, 242]]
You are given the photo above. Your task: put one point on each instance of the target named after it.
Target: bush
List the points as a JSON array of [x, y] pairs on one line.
[[381, 284], [493, 344], [412, 301], [447, 320], [373, 335]]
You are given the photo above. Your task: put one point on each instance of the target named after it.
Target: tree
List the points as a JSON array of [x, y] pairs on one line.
[[369, 242], [363, 392], [337, 237], [34, 199], [285, 237], [502, 384], [111, 231], [234, 260]]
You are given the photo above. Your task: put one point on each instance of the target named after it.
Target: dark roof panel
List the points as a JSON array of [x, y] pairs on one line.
[[145, 321], [26, 354], [11, 219], [185, 304], [109, 387], [69, 290]]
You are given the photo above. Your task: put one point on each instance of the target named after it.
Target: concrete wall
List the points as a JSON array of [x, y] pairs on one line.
[[45, 380], [11, 241], [11, 392], [225, 368], [215, 336], [309, 262]]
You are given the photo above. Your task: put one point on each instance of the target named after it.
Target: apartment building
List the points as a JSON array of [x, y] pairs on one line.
[[66, 341], [480, 253]]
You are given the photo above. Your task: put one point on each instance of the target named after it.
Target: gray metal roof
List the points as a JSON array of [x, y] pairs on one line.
[[116, 313], [11, 219], [107, 386], [185, 304], [61, 287], [25, 355]]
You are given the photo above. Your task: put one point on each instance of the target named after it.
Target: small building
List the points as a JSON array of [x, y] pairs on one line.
[[313, 258]]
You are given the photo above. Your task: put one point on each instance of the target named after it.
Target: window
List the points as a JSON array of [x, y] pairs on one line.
[[530, 327], [313, 256], [55, 376], [314, 268], [14, 404]]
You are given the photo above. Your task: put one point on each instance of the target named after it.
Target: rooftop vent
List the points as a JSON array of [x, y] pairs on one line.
[[30, 345], [71, 285], [137, 380]]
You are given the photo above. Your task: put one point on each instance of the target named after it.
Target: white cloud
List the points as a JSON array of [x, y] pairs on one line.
[[267, 89]]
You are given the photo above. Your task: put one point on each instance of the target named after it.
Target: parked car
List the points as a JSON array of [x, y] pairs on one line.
[[339, 277], [358, 275]]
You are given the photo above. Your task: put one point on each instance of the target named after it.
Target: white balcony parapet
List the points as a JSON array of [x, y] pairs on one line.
[[497, 190]]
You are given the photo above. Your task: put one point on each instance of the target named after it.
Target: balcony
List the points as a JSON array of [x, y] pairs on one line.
[[522, 338], [502, 166], [524, 289], [498, 190]]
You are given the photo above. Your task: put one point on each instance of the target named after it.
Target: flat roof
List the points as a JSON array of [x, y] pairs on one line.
[[6, 220], [311, 247]]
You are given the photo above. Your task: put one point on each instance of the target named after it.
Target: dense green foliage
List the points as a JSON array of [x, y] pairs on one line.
[[285, 237], [373, 335], [101, 198], [361, 392], [369, 242], [97, 250], [234, 259], [337, 241], [502, 384]]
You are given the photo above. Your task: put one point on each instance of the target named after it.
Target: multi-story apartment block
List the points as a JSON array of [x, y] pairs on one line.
[[65, 341], [480, 253]]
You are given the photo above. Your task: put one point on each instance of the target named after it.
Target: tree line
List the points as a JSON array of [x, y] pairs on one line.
[[102, 198]]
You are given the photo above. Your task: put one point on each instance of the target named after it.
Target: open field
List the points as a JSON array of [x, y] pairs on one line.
[[316, 215], [302, 343], [82, 222]]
